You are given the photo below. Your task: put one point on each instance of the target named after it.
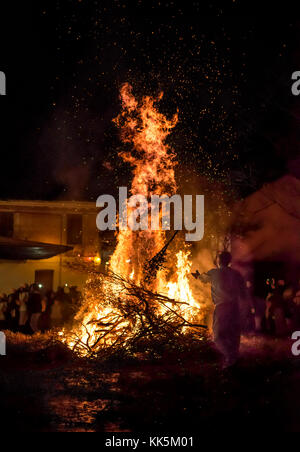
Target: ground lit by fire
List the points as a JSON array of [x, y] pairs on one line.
[[181, 392]]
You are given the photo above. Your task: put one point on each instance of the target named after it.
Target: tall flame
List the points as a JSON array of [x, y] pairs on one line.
[[153, 162], [153, 167]]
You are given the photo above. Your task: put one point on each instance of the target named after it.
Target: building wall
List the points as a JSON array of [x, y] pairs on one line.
[[47, 222], [40, 227], [90, 234], [15, 274]]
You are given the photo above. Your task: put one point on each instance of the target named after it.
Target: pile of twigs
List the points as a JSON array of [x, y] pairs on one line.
[[119, 316]]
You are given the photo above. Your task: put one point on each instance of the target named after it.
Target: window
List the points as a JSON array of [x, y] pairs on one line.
[[74, 229], [6, 224]]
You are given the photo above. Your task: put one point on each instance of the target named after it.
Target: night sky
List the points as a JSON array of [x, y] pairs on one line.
[[228, 74]]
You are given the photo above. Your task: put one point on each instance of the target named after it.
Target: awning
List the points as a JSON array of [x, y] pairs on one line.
[[15, 249]]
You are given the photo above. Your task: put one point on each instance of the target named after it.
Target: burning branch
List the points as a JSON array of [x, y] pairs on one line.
[[152, 267]]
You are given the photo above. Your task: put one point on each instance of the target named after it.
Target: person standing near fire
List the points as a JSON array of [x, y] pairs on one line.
[[227, 289]]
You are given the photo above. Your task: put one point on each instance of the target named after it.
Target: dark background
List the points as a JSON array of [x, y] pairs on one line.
[[228, 73]]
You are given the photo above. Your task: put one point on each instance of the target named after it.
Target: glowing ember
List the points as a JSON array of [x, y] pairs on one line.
[[101, 320]]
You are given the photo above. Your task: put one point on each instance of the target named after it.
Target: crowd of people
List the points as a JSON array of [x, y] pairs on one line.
[[29, 308], [278, 313]]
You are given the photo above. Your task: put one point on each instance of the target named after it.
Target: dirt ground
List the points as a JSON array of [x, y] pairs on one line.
[[43, 387]]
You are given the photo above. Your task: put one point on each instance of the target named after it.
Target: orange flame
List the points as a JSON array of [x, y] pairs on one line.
[[153, 164]]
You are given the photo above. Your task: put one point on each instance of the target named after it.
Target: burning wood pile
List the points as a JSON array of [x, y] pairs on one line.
[[145, 296], [124, 317]]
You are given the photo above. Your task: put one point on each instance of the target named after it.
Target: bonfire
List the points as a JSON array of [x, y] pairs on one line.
[[144, 296]]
